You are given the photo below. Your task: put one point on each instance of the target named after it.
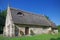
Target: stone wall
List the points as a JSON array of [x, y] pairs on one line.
[[20, 30], [39, 30], [9, 26], [55, 31], [36, 30]]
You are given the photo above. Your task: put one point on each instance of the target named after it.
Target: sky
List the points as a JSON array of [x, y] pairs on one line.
[[50, 8]]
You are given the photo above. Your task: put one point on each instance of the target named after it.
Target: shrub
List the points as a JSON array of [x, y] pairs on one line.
[[32, 33], [21, 32]]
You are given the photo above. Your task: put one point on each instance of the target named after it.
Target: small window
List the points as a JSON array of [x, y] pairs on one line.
[[20, 14]]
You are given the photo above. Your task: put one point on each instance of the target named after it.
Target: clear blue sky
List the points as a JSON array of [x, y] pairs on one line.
[[51, 8]]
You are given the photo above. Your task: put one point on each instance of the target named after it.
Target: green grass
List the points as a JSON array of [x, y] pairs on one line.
[[36, 37]]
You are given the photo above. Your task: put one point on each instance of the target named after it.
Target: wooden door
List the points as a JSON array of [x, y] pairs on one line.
[[26, 30]]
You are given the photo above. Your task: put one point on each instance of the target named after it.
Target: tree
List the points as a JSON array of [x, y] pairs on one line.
[[2, 20], [58, 28]]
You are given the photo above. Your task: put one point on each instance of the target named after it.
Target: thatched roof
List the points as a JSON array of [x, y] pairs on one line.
[[28, 18]]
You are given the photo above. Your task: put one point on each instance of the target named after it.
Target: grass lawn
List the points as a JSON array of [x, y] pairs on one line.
[[36, 37]]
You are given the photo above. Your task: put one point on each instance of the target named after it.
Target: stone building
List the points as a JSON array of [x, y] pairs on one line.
[[19, 23]]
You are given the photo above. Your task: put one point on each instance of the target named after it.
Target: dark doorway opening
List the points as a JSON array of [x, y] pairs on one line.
[[26, 30], [16, 31]]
